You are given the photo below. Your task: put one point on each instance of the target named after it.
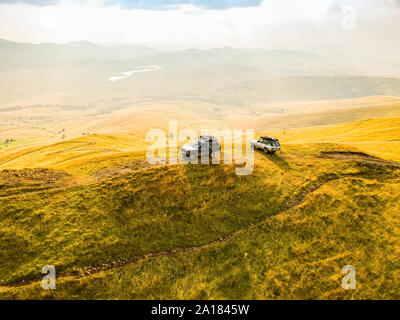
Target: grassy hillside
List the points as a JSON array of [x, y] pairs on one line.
[[125, 130], [64, 153], [116, 227], [379, 137], [309, 114], [297, 254], [201, 232]]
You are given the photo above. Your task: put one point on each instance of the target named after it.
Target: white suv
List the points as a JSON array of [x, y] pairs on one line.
[[266, 144]]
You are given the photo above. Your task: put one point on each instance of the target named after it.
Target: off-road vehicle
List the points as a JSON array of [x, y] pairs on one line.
[[203, 146], [266, 144]]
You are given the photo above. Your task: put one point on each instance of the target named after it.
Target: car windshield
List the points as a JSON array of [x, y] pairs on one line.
[[195, 142]]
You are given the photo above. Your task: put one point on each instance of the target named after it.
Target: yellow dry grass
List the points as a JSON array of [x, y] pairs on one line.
[[117, 228], [378, 137]]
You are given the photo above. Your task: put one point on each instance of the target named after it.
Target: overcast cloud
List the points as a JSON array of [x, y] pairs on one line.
[[204, 24]]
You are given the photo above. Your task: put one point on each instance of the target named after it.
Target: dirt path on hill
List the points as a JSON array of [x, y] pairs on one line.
[[360, 157]]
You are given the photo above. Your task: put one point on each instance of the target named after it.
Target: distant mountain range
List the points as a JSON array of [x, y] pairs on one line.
[[69, 51], [80, 72], [264, 63]]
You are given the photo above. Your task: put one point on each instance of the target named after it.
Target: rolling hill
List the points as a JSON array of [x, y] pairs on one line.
[[116, 228], [378, 137], [43, 130]]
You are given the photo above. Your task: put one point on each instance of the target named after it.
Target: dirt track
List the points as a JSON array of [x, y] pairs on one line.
[[360, 157]]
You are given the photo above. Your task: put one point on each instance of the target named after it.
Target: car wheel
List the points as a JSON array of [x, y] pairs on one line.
[[213, 155], [186, 156], [266, 151]]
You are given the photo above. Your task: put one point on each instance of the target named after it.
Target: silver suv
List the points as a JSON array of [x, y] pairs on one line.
[[200, 147], [266, 144]]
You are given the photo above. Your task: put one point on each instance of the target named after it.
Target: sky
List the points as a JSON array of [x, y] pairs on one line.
[[178, 24], [155, 4]]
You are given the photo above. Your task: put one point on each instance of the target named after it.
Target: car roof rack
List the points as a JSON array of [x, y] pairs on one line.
[[269, 138], [206, 137]]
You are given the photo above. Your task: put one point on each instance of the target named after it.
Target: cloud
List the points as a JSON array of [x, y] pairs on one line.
[[33, 2], [391, 3], [272, 24]]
